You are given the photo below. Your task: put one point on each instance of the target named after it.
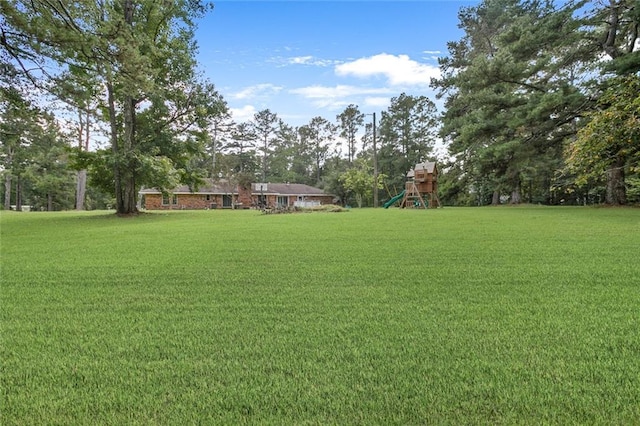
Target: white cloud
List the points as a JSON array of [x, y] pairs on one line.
[[336, 96], [377, 101], [243, 114], [309, 60], [295, 118], [339, 91], [300, 59], [258, 90], [399, 70], [432, 52]]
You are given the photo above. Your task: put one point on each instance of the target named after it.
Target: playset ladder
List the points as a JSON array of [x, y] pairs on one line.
[[412, 194]]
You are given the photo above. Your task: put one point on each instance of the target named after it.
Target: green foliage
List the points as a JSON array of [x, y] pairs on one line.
[[141, 70], [315, 138], [452, 316], [625, 64], [51, 181], [359, 181], [633, 189], [239, 152], [516, 88], [407, 135], [512, 93], [614, 29], [611, 138], [349, 121], [453, 187], [33, 155], [291, 159], [264, 129]]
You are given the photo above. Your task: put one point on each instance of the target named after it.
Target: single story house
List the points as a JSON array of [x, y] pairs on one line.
[[216, 194]]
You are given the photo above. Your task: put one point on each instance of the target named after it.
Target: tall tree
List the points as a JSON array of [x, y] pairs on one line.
[[407, 134], [359, 181], [612, 28], [137, 53], [317, 136], [242, 147], [175, 128], [219, 134], [511, 91], [13, 118], [610, 143], [18, 124], [50, 179], [265, 128], [618, 37], [290, 159], [349, 122], [83, 136]]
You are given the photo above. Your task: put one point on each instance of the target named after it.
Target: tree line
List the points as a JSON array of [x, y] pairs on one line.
[[540, 105]]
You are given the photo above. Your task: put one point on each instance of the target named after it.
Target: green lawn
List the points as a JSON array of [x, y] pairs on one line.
[[459, 316]]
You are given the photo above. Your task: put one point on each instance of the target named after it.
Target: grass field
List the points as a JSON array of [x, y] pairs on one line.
[[453, 316]]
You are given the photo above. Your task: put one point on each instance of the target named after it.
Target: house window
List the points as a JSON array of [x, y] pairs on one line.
[[283, 201], [227, 200], [208, 197], [165, 199]]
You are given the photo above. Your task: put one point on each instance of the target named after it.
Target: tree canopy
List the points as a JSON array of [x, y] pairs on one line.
[[538, 104], [520, 84], [137, 60]]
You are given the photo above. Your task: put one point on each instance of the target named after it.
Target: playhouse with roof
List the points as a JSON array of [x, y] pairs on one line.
[[421, 188]]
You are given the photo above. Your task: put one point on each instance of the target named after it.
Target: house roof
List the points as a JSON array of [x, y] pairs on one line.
[[429, 166], [286, 189], [211, 186], [208, 187]]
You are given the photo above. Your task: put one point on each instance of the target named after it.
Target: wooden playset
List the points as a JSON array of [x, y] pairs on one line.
[[421, 188]]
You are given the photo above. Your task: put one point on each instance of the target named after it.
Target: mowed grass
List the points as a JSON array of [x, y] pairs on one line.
[[453, 316]]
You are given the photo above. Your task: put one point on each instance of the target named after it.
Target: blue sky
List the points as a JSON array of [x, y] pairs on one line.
[[303, 59]]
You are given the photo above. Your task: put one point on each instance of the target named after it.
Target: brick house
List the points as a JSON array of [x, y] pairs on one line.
[[217, 194], [288, 195]]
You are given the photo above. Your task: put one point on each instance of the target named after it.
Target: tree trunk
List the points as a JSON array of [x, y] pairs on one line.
[[516, 188], [81, 189], [129, 190], [265, 147], [495, 200], [18, 194], [516, 197], [616, 192], [7, 190], [124, 163], [214, 149], [49, 202], [115, 149], [83, 144]]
